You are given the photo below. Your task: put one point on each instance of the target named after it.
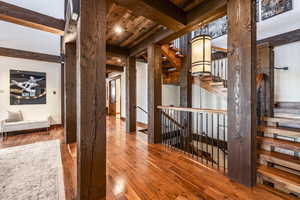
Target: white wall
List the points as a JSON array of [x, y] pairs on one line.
[[24, 38], [201, 98], [170, 93], [53, 105], [287, 82]]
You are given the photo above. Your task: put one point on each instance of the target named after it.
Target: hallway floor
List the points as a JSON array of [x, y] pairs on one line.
[[137, 170]]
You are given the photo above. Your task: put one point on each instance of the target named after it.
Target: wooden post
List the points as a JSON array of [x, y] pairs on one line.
[[185, 75], [154, 93], [70, 93], [91, 124], [130, 94], [265, 65], [242, 91], [185, 81]]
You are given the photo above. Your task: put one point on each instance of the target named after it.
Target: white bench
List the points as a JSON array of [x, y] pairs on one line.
[[25, 124]]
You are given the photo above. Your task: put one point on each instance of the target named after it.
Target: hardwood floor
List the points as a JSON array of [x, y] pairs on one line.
[[138, 171]]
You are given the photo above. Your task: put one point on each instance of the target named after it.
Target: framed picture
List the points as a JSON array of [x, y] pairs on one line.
[[271, 8], [27, 87]]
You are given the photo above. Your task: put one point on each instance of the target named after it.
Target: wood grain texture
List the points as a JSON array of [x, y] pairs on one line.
[[163, 12], [130, 94], [91, 131], [70, 93], [242, 91], [154, 93], [15, 53], [137, 170], [32, 19], [282, 39]]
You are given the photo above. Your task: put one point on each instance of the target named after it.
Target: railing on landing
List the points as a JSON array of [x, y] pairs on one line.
[[199, 133]]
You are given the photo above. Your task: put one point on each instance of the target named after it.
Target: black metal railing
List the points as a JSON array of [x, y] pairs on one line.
[[199, 133], [220, 71]]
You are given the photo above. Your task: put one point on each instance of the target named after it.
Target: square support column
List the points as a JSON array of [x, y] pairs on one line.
[[130, 94], [91, 102], [242, 91], [70, 116], [154, 93]]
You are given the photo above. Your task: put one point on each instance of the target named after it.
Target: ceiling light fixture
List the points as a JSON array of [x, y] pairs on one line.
[[118, 29]]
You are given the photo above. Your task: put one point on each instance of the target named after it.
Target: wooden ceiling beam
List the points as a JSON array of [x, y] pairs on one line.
[[32, 19], [282, 39], [115, 68], [162, 12], [197, 17], [14, 53], [116, 51]]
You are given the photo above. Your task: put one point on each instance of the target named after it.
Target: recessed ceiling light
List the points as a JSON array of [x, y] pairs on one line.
[[118, 29], [119, 60]]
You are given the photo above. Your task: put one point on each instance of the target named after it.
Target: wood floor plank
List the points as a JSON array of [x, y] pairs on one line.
[[138, 171]]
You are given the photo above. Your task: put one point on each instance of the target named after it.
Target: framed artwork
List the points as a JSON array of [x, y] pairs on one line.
[[27, 87], [271, 8]]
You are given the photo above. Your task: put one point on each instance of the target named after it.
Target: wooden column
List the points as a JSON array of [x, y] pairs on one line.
[[154, 93], [265, 65], [185, 75], [91, 124], [242, 91], [130, 94], [70, 93]]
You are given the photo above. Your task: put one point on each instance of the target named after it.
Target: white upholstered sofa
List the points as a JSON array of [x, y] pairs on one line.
[[22, 123]]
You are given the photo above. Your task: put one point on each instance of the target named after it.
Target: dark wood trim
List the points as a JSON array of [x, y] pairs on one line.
[[91, 129], [197, 17], [32, 19], [162, 12], [113, 50], [141, 47], [282, 39], [114, 68], [70, 93], [154, 93], [130, 73], [242, 91], [15, 53]]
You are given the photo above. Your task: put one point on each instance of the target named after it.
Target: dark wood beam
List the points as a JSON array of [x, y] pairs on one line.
[[32, 19], [185, 78], [114, 68], [113, 50], [206, 12], [131, 94], [282, 39], [15, 53], [154, 93], [242, 91], [203, 14], [162, 12], [70, 93], [155, 38], [91, 129]]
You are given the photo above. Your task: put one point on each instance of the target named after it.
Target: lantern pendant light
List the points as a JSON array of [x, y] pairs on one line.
[[201, 55]]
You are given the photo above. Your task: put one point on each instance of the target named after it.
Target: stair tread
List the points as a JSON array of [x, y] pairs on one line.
[[278, 193], [284, 159], [281, 120], [293, 146], [219, 83], [280, 130], [279, 175]]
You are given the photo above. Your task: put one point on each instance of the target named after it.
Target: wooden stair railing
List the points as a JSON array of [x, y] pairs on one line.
[[279, 154]]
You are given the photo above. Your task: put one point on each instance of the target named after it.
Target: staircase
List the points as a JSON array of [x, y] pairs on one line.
[[278, 155]]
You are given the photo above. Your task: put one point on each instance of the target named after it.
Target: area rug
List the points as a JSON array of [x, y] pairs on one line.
[[32, 172]]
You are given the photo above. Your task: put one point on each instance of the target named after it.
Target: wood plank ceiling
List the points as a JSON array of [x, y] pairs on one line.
[[134, 29]]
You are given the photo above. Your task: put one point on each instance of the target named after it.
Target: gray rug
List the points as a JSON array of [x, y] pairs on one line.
[[32, 172]]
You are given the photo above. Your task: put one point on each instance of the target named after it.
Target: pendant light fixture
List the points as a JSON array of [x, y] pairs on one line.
[[201, 55]]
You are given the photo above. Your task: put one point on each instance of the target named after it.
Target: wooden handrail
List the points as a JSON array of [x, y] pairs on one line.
[[192, 109], [172, 120]]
